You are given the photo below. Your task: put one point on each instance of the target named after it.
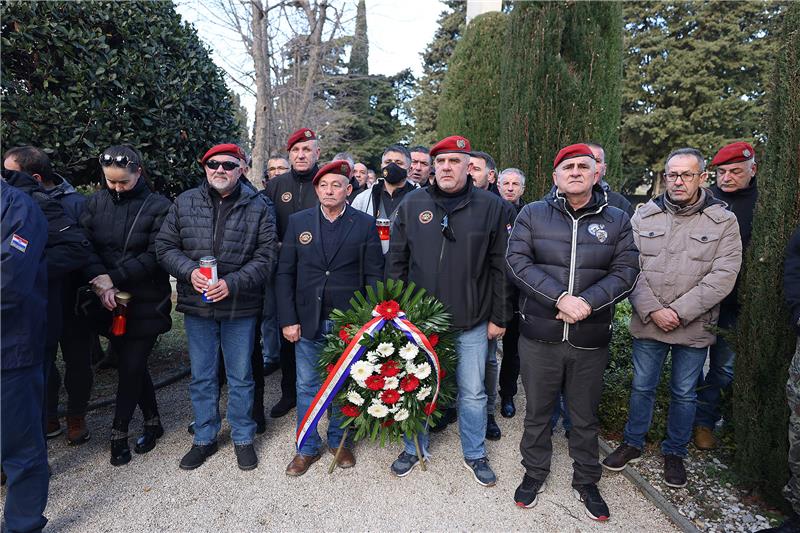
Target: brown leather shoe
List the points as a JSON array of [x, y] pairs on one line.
[[346, 458], [77, 432], [704, 438], [300, 464]]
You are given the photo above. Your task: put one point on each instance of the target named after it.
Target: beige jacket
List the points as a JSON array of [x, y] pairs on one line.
[[690, 257]]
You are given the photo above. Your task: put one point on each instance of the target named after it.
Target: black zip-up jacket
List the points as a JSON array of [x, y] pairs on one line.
[[108, 220], [589, 253], [467, 274], [246, 258], [291, 192]]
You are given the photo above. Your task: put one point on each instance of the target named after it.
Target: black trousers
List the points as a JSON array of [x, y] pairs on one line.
[[135, 387], [509, 365], [288, 370], [76, 350], [546, 368]]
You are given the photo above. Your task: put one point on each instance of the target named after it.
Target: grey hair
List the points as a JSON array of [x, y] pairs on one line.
[[345, 156], [511, 170], [687, 151]]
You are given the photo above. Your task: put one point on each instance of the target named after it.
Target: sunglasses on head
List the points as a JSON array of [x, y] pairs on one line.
[[121, 161], [227, 165]]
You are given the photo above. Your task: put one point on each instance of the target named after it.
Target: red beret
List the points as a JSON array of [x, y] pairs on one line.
[[573, 150], [452, 144], [301, 135], [734, 153], [340, 167], [228, 149]]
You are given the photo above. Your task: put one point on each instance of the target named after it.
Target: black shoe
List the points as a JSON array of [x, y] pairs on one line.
[[283, 407], [198, 455], [674, 471], [271, 368], [620, 457], [258, 411], [527, 494], [147, 441], [245, 456], [450, 415], [492, 429], [596, 507], [261, 426], [190, 429], [507, 408], [120, 452], [790, 525]]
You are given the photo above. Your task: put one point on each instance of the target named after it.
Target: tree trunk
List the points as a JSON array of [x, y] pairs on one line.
[[263, 114]]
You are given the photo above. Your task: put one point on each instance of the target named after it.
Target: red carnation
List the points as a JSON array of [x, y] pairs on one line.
[[409, 383], [387, 423], [388, 310], [390, 397], [329, 368], [389, 368], [350, 411], [442, 372], [434, 338], [343, 333], [429, 408], [374, 382]]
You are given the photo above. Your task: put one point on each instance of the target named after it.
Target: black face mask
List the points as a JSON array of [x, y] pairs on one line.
[[394, 173]]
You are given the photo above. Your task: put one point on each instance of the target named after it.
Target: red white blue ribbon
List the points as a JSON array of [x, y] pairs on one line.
[[354, 351]]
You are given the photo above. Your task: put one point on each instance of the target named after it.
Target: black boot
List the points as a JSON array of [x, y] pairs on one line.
[[151, 433], [120, 452], [258, 411]]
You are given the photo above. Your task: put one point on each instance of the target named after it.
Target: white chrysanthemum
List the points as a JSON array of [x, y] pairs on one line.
[[394, 408], [355, 398], [401, 415], [385, 349], [361, 370], [423, 393], [372, 357], [391, 383], [409, 352], [423, 371], [378, 410], [411, 367]]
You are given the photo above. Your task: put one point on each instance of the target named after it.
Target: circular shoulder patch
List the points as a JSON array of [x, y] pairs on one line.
[[286, 197], [305, 237], [425, 217]]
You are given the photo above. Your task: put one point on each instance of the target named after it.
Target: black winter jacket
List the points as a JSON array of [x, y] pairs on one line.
[[589, 253], [247, 256], [291, 192], [110, 222], [467, 274], [791, 278]]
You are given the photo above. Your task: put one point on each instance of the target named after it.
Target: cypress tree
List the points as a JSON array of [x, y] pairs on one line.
[[765, 341], [359, 55], [561, 84], [470, 103]]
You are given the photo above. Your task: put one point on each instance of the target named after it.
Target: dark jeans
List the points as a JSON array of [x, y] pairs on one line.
[[545, 368], [720, 374], [76, 350], [509, 366], [135, 385], [561, 411], [24, 453]]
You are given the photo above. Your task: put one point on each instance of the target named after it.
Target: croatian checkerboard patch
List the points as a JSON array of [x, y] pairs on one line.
[[19, 243]]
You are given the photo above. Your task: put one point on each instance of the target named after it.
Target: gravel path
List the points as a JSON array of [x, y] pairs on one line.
[[152, 494]]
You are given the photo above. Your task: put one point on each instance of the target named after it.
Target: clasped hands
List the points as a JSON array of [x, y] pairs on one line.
[[104, 288], [572, 309], [214, 291]]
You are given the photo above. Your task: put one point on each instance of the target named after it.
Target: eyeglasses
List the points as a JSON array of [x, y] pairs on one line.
[[447, 231], [280, 168], [121, 161], [226, 165], [686, 177]]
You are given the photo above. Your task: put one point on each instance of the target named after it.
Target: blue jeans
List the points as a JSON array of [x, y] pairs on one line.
[[492, 371], [648, 360], [205, 336], [719, 377], [24, 452], [309, 381], [270, 333], [561, 411], [471, 347]]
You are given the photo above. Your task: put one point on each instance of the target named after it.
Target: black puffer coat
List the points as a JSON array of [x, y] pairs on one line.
[[291, 192], [109, 223], [589, 253], [247, 256]]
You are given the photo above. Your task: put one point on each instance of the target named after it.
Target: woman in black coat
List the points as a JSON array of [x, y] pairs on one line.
[[122, 222]]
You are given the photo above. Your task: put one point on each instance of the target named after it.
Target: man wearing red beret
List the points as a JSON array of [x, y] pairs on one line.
[[328, 253], [468, 228], [233, 224], [573, 257], [736, 186], [292, 192]]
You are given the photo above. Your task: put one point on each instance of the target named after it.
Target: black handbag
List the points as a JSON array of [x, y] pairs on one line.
[[89, 306]]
